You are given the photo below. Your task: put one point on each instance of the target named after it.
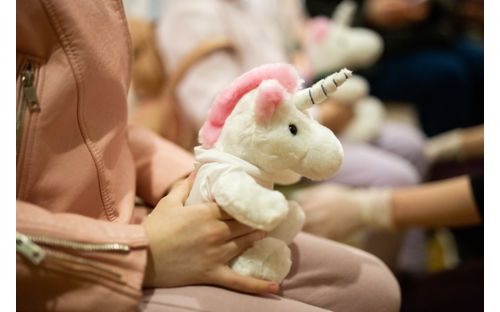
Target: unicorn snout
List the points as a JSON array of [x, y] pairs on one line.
[[323, 159]]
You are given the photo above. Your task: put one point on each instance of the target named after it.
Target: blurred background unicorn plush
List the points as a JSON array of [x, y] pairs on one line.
[[332, 44]]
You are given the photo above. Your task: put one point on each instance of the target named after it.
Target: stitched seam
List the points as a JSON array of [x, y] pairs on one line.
[[65, 39], [128, 38]]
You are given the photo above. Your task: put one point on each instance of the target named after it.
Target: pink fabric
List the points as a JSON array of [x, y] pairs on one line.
[[366, 165], [319, 28], [79, 164], [227, 99], [325, 276], [158, 164], [394, 159], [269, 96]]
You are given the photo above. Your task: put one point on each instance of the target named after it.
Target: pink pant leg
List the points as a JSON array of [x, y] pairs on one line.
[[405, 141], [365, 165], [325, 276], [339, 278], [216, 299]]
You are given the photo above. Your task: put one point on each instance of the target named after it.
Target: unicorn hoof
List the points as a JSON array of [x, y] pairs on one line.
[[268, 259]]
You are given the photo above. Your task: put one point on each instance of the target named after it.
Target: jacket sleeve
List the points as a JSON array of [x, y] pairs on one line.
[[158, 162], [71, 262]]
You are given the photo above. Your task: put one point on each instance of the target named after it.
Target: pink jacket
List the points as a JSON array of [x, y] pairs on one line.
[[79, 166]]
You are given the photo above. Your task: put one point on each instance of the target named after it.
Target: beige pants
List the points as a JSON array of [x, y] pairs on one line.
[[325, 276]]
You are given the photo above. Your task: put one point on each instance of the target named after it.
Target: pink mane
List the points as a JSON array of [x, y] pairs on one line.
[[227, 99]]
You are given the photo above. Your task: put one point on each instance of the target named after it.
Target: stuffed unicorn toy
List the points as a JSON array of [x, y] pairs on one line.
[[369, 111], [259, 133], [353, 47]]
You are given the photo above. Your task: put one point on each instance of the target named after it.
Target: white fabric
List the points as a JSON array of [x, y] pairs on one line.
[[376, 207], [250, 154], [338, 212], [353, 90], [314, 152], [352, 47], [369, 117], [211, 164], [445, 147], [245, 192], [217, 163]]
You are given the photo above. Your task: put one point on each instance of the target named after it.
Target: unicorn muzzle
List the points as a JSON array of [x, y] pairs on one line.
[[324, 158]]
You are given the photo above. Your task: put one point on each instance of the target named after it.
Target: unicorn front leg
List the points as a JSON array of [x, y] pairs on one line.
[[248, 202], [292, 225]]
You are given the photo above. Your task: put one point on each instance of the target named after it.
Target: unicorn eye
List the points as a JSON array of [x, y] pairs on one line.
[[293, 129]]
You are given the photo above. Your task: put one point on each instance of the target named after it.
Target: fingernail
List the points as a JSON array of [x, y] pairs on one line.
[[274, 288]]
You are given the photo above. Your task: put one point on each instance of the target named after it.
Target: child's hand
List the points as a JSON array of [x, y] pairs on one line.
[[192, 245]]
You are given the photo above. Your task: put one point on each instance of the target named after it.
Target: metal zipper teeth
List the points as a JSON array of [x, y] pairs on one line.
[[34, 253], [20, 123], [28, 99], [118, 247]]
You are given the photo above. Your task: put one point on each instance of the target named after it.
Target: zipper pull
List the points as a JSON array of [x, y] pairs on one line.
[[28, 249], [28, 88]]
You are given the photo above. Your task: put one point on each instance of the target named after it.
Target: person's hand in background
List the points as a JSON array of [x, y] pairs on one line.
[[192, 245], [335, 116], [396, 13], [336, 212]]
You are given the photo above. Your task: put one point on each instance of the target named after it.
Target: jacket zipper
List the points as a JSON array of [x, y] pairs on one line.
[[55, 242], [29, 247], [28, 98]]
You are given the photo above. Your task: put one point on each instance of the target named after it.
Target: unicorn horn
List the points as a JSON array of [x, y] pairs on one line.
[[344, 13], [321, 90]]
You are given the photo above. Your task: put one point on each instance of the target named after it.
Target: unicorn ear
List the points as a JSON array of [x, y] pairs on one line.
[[270, 95]]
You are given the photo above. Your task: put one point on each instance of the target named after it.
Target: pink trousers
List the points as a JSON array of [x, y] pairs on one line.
[[325, 276], [394, 159]]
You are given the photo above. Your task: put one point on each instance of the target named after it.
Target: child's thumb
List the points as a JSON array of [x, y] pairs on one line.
[[180, 190]]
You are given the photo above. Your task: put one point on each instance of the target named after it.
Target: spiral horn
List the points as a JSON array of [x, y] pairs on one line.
[[321, 90]]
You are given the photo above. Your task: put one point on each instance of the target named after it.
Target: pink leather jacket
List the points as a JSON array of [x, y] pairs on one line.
[[79, 165]]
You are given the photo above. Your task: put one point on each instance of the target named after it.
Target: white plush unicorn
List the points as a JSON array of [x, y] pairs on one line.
[[332, 44], [258, 132], [353, 47]]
